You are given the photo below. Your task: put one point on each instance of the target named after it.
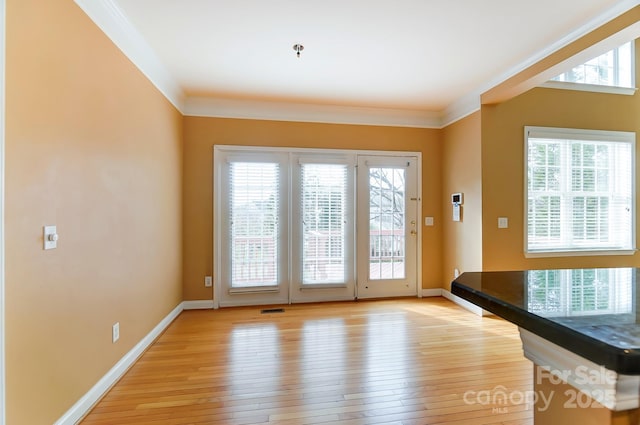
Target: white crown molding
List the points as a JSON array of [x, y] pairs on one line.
[[616, 10], [470, 102], [108, 16], [302, 112], [461, 108], [87, 401]]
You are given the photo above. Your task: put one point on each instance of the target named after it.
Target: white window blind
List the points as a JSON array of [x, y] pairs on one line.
[[614, 68], [579, 190], [254, 206], [324, 209]]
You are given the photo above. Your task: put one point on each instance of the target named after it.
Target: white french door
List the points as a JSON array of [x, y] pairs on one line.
[[290, 228], [323, 190], [387, 226], [253, 226]]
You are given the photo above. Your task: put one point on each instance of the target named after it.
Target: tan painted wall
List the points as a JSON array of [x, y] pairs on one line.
[[503, 166], [94, 148], [462, 172], [200, 134]]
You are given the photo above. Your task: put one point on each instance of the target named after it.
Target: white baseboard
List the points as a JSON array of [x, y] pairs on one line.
[[82, 406], [437, 292], [198, 305], [465, 304]]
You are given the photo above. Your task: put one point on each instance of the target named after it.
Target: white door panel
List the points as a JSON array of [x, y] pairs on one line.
[[254, 228], [323, 228], [387, 226]]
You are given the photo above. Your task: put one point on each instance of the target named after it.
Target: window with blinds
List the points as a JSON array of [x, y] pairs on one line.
[[579, 190], [323, 199], [254, 207]]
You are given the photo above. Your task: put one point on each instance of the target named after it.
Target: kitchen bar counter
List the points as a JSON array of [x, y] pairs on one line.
[[591, 312], [580, 328]]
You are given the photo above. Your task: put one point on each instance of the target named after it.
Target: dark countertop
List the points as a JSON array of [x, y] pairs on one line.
[[591, 312]]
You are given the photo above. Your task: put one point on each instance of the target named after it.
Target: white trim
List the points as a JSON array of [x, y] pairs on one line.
[[301, 112], [2, 143], [217, 222], [616, 10], [198, 305], [621, 392], [461, 108], [470, 102], [437, 292], [465, 304], [577, 253], [111, 20], [420, 229], [86, 402], [596, 88], [325, 151], [108, 16]]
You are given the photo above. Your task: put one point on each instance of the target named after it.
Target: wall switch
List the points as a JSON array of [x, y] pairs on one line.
[[428, 221], [503, 222], [50, 236], [115, 332], [208, 282]]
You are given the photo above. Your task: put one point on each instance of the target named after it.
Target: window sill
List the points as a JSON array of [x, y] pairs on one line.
[[564, 85], [579, 253]]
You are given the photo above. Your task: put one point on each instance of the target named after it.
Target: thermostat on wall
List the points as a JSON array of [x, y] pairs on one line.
[[456, 200]]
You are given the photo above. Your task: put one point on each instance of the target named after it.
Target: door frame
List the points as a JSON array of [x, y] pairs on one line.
[[216, 200]]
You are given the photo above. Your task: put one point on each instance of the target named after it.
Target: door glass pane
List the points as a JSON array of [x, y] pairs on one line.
[[254, 223], [387, 223], [324, 191]]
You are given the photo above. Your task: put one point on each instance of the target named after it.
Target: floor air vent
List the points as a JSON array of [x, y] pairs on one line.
[[272, 310]]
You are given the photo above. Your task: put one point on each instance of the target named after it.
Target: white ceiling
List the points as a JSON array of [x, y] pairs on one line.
[[417, 56]]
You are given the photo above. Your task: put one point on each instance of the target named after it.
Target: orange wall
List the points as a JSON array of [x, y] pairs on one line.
[[462, 172], [94, 148], [503, 166], [201, 134]]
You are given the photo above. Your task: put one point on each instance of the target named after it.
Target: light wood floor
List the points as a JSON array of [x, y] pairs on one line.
[[406, 361]]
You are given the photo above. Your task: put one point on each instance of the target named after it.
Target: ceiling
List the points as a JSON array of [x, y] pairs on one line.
[[404, 58]]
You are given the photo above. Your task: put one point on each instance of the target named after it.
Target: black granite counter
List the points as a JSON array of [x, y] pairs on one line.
[[591, 312]]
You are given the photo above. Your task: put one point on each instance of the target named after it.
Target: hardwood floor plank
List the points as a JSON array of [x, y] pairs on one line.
[[406, 361]]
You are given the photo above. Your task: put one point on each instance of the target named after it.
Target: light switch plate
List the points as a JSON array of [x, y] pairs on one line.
[[50, 236], [428, 221], [503, 222]]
